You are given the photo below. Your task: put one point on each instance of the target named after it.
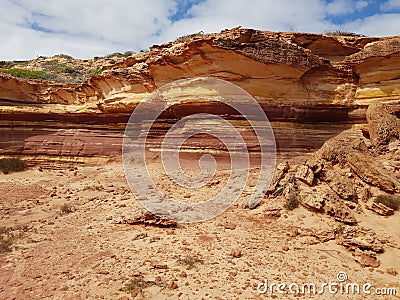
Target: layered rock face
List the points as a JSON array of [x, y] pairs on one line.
[[295, 77]]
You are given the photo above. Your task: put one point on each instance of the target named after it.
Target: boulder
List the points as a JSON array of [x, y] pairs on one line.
[[383, 124]]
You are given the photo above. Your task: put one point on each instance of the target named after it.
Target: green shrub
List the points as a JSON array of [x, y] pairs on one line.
[[96, 71], [24, 73], [390, 201], [10, 165]]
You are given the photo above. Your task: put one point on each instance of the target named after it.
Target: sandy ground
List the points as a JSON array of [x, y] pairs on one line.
[[85, 254]]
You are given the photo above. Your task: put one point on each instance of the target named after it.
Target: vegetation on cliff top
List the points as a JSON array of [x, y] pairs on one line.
[[25, 73], [59, 68], [342, 33]]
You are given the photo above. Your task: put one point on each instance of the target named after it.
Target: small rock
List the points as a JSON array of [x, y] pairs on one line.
[[154, 239], [230, 226], [273, 213], [140, 236], [236, 253], [173, 285], [368, 259], [160, 266], [392, 271], [135, 293]]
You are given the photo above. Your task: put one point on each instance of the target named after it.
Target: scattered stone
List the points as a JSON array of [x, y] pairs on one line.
[[369, 259], [236, 253], [293, 232], [380, 209], [140, 236], [154, 239], [173, 285], [392, 271], [160, 266], [230, 226]]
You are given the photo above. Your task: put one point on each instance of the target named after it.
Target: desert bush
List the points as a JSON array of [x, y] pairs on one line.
[[341, 33], [10, 165], [138, 283], [66, 208], [5, 245], [291, 203], [189, 261], [5, 239], [390, 201], [65, 56], [190, 35]]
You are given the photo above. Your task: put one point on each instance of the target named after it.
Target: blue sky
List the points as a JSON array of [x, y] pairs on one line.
[[87, 28]]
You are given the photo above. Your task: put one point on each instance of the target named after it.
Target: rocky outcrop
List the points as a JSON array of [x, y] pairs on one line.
[[336, 179], [345, 178], [146, 218]]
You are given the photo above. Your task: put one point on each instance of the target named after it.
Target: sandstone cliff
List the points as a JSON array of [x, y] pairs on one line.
[[296, 77], [320, 71]]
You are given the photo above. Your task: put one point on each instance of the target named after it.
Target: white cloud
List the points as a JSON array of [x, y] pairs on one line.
[[390, 5], [361, 4], [340, 7], [285, 15], [82, 28], [344, 7], [377, 25], [88, 28]]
